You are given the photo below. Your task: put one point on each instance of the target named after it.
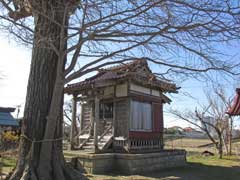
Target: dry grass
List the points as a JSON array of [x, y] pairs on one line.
[[187, 142], [194, 145]]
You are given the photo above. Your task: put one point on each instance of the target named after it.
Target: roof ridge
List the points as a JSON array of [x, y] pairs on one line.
[[124, 65], [7, 109]]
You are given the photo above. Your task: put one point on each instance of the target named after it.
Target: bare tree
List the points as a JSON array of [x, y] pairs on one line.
[[211, 118], [67, 116], [99, 33]]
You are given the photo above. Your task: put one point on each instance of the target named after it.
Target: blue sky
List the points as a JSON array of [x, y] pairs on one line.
[[15, 65]]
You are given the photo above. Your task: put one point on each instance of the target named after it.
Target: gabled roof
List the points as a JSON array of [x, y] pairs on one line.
[[136, 70], [6, 119], [234, 110]]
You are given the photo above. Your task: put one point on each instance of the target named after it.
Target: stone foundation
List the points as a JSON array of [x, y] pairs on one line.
[[130, 163]]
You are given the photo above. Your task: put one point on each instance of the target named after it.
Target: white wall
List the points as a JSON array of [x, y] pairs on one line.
[[144, 90], [122, 90]]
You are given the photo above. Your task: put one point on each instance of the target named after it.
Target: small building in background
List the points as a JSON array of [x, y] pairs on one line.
[[190, 132], [7, 122]]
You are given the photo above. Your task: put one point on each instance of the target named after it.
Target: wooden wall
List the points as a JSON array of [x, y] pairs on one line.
[[122, 118], [86, 115], [157, 110]]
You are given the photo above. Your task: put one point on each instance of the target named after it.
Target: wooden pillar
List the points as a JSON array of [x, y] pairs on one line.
[[96, 122], [81, 119], [91, 119], [74, 121], [114, 118]]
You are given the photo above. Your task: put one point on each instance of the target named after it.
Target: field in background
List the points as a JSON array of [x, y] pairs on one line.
[[198, 145]]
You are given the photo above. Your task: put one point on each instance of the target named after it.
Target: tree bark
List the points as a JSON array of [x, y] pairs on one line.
[[40, 154], [220, 145], [230, 136]]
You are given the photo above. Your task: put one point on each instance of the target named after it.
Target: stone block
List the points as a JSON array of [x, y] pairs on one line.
[[131, 163]]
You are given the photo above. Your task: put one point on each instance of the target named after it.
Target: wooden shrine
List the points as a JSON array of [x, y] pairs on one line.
[[121, 109]]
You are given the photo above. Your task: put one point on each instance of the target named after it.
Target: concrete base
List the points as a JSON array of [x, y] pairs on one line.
[[129, 163]]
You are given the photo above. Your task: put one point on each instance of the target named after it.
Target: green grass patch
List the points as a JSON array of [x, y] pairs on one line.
[[226, 161], [7, 164]]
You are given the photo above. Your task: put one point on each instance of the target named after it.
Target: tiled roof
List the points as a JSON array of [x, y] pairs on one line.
[[234, 110], [125, 71], [6, 119], [7, 109]]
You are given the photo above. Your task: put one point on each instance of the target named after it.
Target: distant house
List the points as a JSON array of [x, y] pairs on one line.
[[193, 133], [175, 130], [6, 119], [188, 129]]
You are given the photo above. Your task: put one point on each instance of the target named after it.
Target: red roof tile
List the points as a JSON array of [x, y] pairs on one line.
[[234, 110], [125, 71]]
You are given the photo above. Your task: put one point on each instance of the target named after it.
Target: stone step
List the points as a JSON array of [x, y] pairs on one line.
[[87, 147], [103, 140], [89, 143], [84, 136]]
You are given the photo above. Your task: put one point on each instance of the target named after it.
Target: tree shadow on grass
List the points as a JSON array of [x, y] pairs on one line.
[[231, 159], [198, 171], [192, 171]]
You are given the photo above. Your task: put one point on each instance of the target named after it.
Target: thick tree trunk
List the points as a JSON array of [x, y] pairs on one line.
[[40, 153]]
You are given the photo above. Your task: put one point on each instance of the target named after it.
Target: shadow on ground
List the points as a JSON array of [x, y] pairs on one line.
[[198, 171], [193, 171]]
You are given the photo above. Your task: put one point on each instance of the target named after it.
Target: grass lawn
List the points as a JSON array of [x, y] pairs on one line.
[[198, 168]]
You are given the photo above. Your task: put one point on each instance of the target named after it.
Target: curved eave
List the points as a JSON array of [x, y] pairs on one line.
[[234, 110]]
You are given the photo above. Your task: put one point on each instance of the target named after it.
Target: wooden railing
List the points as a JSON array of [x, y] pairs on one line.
[[84, 130], [105, 132], [120, 142], [83, 143], [137, 144], [107, 144]]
